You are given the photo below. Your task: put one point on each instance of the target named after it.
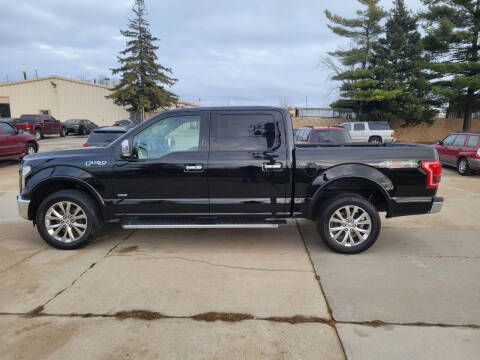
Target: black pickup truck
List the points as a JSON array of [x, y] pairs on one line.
[[226, 168]]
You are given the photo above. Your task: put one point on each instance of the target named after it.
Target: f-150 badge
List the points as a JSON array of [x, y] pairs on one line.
[[95, 163]]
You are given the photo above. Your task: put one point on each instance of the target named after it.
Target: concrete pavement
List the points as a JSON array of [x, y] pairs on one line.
[[203, 294]]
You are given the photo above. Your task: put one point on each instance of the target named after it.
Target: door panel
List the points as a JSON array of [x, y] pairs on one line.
[[359, 133], [247, 168], [167, 175], [9, 144]]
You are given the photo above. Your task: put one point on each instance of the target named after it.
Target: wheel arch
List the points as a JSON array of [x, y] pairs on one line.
[[57, 183], [354, 179]]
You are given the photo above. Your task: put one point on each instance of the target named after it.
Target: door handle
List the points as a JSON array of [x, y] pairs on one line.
[[195, 167], [274, 166]]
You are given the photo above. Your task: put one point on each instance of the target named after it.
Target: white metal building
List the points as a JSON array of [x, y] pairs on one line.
[[60, 97]]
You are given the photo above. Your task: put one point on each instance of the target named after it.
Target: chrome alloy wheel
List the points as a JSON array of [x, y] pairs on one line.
[[65, 221], [30, 150], [350, 225], [462, 166]]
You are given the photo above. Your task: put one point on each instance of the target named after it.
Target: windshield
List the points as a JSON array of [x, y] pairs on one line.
[[327, 136]]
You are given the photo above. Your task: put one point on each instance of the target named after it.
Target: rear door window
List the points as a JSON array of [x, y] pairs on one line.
[[245, 132], [359, 126], [473, 141], [460, 140]]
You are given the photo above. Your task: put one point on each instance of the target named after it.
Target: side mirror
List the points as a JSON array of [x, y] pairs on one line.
[[126, 148], [439, 142]]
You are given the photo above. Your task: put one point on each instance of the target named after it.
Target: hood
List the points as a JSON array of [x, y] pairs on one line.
[[82, 157]]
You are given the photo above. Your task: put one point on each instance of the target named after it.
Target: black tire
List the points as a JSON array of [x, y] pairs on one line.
[[62, 132], [462, 167], [328, 211], [38, 134], [30, 149], [375, 139], [78, 198]]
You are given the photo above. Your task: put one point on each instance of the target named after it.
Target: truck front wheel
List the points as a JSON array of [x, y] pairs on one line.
[[67, 219], [349, 224]]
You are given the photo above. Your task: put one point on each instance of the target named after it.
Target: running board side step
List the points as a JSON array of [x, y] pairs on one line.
[[200, 224]]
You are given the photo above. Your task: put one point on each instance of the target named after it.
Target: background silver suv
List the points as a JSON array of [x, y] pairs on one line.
[[370, 131]]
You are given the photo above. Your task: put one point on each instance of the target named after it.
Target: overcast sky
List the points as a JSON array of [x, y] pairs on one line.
[[222, 51]]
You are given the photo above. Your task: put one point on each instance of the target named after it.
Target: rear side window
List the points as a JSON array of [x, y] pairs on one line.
[[460, 140], [29, 118], [359, 126], [329, 137], [374, 125], [245, 132], [473, 141]]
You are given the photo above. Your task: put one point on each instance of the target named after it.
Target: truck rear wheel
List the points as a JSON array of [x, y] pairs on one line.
[[349, 224], [67, 219], [38, 134]]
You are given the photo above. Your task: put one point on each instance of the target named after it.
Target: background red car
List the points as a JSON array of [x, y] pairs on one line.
[[15, 144], [461, 150]]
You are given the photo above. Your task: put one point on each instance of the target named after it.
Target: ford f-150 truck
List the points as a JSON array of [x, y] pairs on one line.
[[228, 168]]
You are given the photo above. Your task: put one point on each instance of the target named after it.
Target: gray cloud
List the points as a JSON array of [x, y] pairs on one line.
[[236, 52]]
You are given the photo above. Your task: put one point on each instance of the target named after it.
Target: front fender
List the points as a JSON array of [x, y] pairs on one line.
[[68, 173], [355, 172]]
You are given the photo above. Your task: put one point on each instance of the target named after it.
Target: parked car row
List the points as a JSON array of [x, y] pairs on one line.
[[368, 131], [80, 126]]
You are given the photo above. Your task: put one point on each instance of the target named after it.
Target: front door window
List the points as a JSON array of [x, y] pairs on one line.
[[174, 134]]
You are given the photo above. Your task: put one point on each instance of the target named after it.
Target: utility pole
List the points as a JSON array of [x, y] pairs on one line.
[[306, 102]]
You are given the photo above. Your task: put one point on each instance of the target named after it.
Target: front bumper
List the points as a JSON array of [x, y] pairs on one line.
[[23, 206]]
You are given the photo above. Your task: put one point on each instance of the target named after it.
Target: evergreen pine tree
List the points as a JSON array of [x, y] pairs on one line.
[[360, 90], [143, 80], [400, 65], [452, 40]]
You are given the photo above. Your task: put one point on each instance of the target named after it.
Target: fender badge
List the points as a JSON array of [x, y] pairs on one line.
[[95, 163]]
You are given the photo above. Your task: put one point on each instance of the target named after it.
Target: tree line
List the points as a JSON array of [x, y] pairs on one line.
[[401, 65]]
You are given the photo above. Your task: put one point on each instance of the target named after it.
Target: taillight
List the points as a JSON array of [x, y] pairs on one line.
[[434, 172], [478, 154], [84, 144], [393, 134], [27, 126]]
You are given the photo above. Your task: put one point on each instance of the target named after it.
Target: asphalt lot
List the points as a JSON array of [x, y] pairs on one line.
[[244, 294]]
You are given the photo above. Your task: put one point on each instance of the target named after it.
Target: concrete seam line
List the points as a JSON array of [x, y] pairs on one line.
[[234, 317], [317, 277], [40, 308], [213, 264]]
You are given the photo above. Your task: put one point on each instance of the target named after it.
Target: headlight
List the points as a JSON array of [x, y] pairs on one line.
[[24, 173], [26, 170]]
